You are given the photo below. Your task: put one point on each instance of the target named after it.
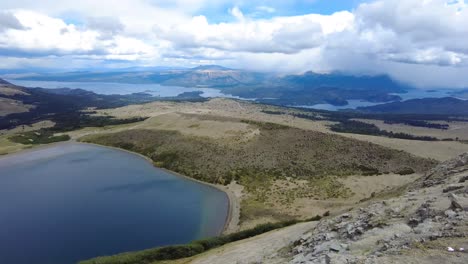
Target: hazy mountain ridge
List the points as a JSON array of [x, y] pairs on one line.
[[382, 82], [62, 104], [303, 89], [435, 106], [4, 82]]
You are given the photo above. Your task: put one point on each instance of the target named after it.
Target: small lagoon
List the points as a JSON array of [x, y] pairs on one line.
[[73, 201]]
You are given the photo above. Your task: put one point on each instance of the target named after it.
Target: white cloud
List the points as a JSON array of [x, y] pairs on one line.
[[267, 9], [9, 21], [381, 36], [46, 36], [422, 32], [278, 35], [106, 26], [237, 13]]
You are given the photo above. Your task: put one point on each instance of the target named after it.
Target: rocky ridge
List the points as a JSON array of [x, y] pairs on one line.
[[418, 227]]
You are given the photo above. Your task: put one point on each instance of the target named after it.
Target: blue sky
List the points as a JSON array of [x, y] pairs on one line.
[[420, 42], [219, 13]]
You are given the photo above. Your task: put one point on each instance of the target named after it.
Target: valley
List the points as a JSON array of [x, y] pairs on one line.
[[234, 132], [275, 163], [189, 136]]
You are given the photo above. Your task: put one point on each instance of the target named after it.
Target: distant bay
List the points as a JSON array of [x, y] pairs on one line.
[[122, 88], [172, 91], [410, 94]]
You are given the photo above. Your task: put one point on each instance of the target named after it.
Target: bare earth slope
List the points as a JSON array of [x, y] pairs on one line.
[[8, 105]]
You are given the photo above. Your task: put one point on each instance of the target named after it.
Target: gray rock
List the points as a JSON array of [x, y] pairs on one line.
[[325, 259], [450, 214], [439, 174], [346, 216], [336, 247], [345, 246], [458, 202], [463, 179], [306, 237], [299, 249], [413, 222], [452, 188], [301, 258], [320, 248]]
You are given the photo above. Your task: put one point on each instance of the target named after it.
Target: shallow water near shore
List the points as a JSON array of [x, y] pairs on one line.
[[72, 201]]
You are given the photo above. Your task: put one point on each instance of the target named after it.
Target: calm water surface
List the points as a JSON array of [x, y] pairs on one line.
[[123, 88], [74, 201], [169, 91], [410, 94]]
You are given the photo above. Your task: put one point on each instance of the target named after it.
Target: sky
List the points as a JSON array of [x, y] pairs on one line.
[[421, 42]]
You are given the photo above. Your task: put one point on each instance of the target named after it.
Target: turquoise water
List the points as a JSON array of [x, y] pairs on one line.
[[75, 201]]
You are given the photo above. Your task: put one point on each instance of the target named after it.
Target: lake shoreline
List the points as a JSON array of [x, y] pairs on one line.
[[94, 191], [230, 225]]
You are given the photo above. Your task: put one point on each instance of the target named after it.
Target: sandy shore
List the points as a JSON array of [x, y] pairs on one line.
[[233, 192]]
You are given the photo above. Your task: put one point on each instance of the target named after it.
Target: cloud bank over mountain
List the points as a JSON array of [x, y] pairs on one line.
[[421, 42]]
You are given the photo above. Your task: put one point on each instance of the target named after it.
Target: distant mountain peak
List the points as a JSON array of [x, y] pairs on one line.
[[210, 67]]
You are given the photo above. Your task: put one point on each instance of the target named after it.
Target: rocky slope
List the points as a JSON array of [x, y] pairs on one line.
[[415, 228]]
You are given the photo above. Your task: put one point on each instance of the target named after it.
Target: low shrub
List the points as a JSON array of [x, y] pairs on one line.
[[265, 125], [191, 249], [358, 127], [38, 137], [406, 171]]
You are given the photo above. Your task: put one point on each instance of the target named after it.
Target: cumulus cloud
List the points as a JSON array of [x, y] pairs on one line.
[[9, 21], [46, 36], [106, 26], [237, 13], [278, 35], [420, 32]]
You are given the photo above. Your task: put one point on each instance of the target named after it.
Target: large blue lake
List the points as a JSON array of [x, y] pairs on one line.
[[123, 88], [169, 91], [74, 201]]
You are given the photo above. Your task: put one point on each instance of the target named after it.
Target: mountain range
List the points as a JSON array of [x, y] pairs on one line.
[[302, 89]]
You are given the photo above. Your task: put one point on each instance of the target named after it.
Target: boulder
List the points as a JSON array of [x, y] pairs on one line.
[[458, 202], [452, 188]]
